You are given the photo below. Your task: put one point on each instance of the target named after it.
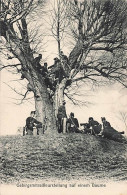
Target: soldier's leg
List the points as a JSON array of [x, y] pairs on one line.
[[24, 129], [67, 127], [59, 125], [64, 125], [37, 131], [29, 132]]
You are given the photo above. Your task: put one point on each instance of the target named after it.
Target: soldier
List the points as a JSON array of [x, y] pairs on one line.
[[31, 122], [86, 128], [72, 124], [44, 69], [57, 70], [94, 126], [47, 79], [53, 67], [60, 116], [63, 57], [65, 63], [37, 64], [3, 28], [110, 133], [106, 124]]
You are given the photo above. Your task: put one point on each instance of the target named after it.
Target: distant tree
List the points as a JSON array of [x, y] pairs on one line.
[[122, 116]]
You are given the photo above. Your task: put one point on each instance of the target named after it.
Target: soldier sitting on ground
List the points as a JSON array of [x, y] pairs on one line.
[[109, 132], [105, 124], [31, 122], [72, 124], [94, 126], [86, 128]]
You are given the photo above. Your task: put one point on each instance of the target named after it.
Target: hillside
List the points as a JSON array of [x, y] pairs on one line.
[[62, 157]]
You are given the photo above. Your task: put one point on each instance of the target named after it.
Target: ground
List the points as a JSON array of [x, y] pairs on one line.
[[62, 157]]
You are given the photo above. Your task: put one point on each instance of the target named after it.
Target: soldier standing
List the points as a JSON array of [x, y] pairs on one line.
[[60, 116]]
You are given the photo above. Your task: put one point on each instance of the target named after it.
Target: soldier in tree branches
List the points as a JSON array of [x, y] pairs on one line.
[[65, 63], [53, 68], [60, 116], [3, 28], [45, 73], [37, 64], [44, 70], [31, 122], [64, 57], [57, 71]]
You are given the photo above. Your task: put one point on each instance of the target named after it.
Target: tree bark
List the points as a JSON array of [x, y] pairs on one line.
[[59, 95], [45, 114], [43, 103]]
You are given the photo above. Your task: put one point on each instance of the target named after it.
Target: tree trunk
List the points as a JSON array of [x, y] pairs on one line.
[[44, 106], [59, 96], [45, 114]]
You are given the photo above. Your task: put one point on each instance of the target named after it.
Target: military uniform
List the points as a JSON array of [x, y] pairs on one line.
[[73, 125], [37, 64], [3, 28], [86, 128], [61, 114], [96, 127], [106, 124], [31, 123]]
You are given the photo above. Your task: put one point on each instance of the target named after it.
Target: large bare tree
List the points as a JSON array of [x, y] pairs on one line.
[[98, 53]]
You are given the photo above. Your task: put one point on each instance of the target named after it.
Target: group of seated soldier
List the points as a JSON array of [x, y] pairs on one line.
[[93, 127], [105, 130], [71, 125]]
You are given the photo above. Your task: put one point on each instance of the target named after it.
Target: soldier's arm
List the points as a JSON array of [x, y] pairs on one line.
[[27, 121], [77, 123], [37, 122]]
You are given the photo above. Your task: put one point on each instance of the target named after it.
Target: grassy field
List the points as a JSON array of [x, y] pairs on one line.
[[63, 157]]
